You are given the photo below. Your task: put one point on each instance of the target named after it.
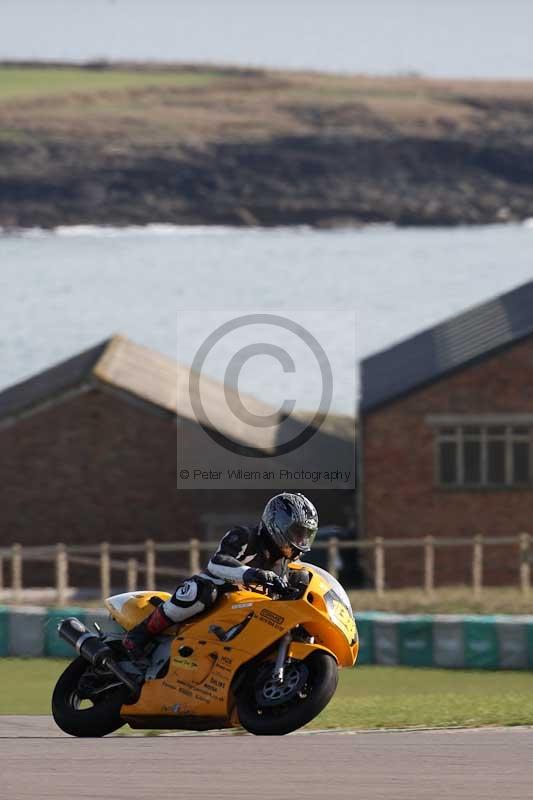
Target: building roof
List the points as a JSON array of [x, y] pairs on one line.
[[339, 426], [50, 383], [160, 380], [144, 374], [451, 345]]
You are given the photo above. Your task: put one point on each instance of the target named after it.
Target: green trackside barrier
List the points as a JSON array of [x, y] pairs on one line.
[[4, 631], [365, 630], [416, 641], [481, 643], [529, 643], [447, 641], [53, 645]]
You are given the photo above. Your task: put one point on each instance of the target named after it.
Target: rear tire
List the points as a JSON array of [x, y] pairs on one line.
[[280, 720], [98, 720]]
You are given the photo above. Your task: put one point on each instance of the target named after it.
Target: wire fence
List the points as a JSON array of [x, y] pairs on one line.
[[142, 561]]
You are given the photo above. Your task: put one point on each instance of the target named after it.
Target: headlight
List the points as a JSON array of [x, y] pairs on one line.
[[341, 615]]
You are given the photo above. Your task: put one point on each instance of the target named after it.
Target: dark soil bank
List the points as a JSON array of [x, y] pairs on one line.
[[270, 149]]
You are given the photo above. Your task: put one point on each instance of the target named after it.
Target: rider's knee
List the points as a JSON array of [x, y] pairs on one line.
[[195, 590], [207, 592]]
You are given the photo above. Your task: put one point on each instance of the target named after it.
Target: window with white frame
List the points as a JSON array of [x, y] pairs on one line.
[[476, 454]]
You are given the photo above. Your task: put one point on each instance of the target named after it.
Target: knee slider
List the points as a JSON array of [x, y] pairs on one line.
[[207, 592]]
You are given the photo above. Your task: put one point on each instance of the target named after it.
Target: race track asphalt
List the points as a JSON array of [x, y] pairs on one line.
[[37, 761]]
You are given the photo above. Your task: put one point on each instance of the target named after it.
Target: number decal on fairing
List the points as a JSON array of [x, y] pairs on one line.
[[345, 620]]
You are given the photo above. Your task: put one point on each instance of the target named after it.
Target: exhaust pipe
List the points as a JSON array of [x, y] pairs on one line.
[[93, 649]]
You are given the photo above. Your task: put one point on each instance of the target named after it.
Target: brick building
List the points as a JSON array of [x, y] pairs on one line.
[[89, 454], [445, 439]]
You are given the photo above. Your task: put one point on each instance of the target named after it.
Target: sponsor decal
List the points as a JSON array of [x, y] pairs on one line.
[[214, 684], [276, 618], [185, 663], [242, 605], [272, 619], [223, 665]]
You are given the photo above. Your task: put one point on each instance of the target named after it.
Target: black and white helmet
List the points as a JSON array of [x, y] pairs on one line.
[[290, 519]]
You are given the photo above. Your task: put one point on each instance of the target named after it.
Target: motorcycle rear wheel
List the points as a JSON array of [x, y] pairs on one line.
[[282, 719], [101, 718]]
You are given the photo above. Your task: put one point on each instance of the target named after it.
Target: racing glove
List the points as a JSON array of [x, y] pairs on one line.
[[264, 577]]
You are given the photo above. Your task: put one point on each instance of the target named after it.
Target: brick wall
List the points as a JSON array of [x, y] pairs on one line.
[[399, 496], [97, 467]]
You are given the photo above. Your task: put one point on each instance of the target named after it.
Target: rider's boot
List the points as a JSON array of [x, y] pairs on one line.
[[136, 640]]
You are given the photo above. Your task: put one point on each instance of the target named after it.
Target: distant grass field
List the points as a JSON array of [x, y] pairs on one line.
[[31, 82], [367, 697]]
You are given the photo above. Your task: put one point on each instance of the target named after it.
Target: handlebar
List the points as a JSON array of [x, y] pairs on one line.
[[297, 583], [270, 589], [288, 593]]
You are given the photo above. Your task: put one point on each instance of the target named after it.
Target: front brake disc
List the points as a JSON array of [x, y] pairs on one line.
[[268, 692]]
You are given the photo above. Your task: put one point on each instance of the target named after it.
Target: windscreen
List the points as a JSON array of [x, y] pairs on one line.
[[335, 585]]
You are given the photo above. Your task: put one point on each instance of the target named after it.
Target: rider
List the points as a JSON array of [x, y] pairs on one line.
[[257, 555]]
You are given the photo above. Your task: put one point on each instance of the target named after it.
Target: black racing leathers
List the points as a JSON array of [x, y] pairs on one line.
[[240, 550]]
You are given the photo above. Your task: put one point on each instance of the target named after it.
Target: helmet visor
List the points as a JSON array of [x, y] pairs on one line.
[[300, 537]]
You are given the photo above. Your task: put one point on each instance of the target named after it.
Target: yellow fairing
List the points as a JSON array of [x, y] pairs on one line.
[[130, 608], [202, 667]]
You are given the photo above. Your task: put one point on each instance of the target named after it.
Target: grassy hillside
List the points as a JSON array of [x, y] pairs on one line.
[[23, 83], [199, 144]]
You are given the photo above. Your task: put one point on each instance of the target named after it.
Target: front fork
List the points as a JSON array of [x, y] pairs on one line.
[[278, 673]]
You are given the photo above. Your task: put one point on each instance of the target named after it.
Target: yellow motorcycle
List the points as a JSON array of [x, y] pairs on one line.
[[263, 661]]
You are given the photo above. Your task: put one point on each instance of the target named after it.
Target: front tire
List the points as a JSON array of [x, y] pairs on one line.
[[279, 720], [101, 718]]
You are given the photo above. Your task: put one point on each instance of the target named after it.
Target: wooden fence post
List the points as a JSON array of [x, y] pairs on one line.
[[149, 550], [132, 574], [105, 570], [333, 556], [429, 565], [61, 574], [525, 564], [16, 572], [379, 565], [194, 556], [477, 566]]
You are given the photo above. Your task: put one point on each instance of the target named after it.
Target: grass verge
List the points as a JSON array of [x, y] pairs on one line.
[[397, 697], [367, 697], [445, 600]]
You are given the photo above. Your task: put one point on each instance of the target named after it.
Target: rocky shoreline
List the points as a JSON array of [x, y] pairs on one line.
[[260, 148]]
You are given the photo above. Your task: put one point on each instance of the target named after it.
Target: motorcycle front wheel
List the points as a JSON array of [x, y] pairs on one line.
[[87, 704], [263, 716]]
